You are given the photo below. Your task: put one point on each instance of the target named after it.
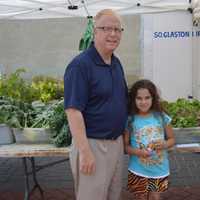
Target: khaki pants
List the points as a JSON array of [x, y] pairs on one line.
[[106, 183]]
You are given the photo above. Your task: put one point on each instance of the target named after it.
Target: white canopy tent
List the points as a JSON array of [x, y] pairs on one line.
[[37, 9], [43, 35]]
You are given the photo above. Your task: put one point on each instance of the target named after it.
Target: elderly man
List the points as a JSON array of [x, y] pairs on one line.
[[96, 107]]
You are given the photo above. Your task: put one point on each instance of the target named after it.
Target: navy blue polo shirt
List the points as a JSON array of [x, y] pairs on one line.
[[99, 91]]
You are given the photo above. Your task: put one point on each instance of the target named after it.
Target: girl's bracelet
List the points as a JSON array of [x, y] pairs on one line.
[[165, 145]]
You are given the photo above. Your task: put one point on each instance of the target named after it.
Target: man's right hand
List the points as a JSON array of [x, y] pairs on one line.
[[87, 162], [77, 127]]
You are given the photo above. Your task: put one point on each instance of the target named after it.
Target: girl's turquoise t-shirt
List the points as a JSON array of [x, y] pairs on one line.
[[144, 131]]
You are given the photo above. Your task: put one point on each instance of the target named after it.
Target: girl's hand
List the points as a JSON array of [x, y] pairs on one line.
[[144, 153], [160, 145]]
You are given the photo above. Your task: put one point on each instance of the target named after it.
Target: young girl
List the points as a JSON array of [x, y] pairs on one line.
[[147, 138]]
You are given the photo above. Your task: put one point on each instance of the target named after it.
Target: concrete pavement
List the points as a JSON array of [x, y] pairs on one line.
[[58, 185]]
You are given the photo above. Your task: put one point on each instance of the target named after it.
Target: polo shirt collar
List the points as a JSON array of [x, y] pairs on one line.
[[98, 59]]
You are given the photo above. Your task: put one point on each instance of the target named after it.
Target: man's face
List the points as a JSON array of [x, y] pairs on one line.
[[107, 33]]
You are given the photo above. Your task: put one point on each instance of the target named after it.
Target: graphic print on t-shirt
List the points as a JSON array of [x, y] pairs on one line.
[[145, 138]]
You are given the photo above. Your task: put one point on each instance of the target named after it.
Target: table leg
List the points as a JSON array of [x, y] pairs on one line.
[[26, 192], [33, 173], [35, 178]]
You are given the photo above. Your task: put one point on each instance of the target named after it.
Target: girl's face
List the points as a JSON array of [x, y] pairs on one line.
[[143, 100]]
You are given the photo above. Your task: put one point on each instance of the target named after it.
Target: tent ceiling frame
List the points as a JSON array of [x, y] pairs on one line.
[[87, 7]]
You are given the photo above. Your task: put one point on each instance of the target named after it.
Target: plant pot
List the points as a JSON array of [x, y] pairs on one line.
[[31, 135], [6, 135], [187, 135]]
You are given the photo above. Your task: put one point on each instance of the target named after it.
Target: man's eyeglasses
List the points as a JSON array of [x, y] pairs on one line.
[[108, 29]]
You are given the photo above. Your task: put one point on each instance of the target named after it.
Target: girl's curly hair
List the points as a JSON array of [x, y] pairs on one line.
[[150, 86]]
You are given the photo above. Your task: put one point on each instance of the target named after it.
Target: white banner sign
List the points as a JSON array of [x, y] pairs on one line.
[[168, 57]]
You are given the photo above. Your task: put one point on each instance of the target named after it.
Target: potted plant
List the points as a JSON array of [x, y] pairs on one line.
[[8, 116], [19, 116], [185, 116], [15, 114], [52, 119], [6, 136], [31, 120], [38, 122], [34, 128]]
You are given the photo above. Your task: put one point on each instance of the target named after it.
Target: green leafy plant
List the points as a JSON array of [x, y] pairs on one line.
[[60, 132], [41, 112], [19, 108], [15, 113], [53, 116], [42, 88], [48, 88], [18, 114], [16, 87], [184, 113]]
